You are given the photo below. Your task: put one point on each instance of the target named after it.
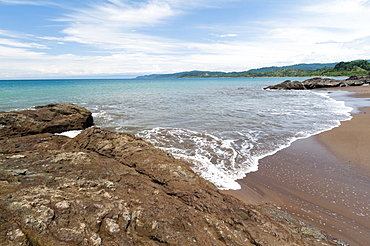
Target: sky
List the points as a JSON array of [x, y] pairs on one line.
[[127, 38]]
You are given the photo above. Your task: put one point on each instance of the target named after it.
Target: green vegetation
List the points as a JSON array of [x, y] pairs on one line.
[[353, 68]]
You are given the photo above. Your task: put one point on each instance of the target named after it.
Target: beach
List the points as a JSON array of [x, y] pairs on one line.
[[323, 180], [221, 117]]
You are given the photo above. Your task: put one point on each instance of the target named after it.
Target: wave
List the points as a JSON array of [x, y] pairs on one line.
[[224, 160], [211, 157]]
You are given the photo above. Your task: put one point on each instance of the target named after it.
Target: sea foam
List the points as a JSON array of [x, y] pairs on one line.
[[70, 134], [226, 158]]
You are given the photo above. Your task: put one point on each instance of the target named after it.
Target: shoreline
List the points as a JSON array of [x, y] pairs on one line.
[[109, 188], [350, 139], [323, 180]]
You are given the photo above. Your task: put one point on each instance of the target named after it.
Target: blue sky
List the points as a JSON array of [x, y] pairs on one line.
[[87, 38]]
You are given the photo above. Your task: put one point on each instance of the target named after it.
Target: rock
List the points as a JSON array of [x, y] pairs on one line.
[[16, 157], [18, 172], [109, 188], [52, 118], [356, 81], [363, 78], [311, 232], [315, 83], [287, 85], [17, 237]]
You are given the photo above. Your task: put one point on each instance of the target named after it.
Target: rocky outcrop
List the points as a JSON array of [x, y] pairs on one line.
[[109, 188], [52, 118], [287, 85], [316, 83]]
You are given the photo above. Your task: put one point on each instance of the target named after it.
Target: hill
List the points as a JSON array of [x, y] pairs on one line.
[[353, 68], [162, 76], [305, 66]]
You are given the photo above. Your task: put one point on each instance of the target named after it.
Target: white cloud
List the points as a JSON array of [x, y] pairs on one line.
[[227, 35], [18, 2], [110, 26], [322, 31], [346, 18], [11, 34], [119, 29], [12, 53], [13, 43], [118, 14], [334, 7], [23, 63], [26, 2], [190, 4]]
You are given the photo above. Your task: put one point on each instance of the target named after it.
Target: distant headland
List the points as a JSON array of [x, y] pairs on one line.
[[352, 68]]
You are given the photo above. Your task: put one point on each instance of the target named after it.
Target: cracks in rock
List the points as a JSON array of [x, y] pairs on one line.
[[155, 239], [155, 181]]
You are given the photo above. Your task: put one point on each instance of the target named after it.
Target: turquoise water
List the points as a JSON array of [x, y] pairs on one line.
[[222, 126]]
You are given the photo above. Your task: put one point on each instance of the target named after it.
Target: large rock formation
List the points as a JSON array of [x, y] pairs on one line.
[[316, 83], [109, 188], [52, 118]]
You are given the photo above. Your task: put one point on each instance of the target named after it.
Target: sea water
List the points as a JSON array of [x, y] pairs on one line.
[[222, 127]]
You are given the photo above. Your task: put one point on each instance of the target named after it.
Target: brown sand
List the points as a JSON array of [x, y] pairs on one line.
[[351, 141], [323, 180]]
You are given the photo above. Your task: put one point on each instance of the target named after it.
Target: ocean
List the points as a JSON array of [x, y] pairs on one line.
[[221, 126]]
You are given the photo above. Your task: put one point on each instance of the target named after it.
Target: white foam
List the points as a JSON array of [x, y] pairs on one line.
[[213, 159], [70, 134], [103, 115], [224, 160], [338, 99], [209, 171], [217, 160], [353, 102]]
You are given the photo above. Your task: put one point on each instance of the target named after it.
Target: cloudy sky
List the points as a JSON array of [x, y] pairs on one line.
[[88, 38]]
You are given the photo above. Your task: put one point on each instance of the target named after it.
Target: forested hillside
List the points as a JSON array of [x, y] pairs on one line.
[[353, 68]]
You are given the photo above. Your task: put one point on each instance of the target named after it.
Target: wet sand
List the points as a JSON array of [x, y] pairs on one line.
[[323, 180]]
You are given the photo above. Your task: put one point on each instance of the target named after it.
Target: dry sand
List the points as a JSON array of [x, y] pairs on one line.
[[323, 180]]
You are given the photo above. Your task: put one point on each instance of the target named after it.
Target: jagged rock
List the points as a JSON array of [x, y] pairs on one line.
[[109, 188], [52, 118], [315, 83]]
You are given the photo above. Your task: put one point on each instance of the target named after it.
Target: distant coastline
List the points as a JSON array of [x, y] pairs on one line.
[[341, 69]]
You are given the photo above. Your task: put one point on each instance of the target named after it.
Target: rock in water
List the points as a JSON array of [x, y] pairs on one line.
[[316, 83], [109, 188], [287, 85], [52, 118]]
